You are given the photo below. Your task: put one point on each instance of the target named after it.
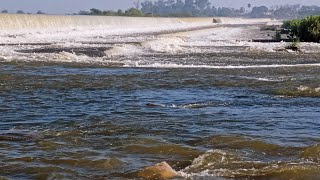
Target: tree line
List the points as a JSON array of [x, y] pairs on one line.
[[21, 12], [202, 8], [97, 12]]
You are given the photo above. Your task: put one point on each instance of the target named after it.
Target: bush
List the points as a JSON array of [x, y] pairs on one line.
[[133, 12], [307, 29], [277, 36], [293, 46]]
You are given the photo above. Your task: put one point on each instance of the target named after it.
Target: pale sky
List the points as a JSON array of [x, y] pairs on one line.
[[71, 6]]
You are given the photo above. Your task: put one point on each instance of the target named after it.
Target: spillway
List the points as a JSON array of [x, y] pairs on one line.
[[25, 28], [22, 21], [32, 22]]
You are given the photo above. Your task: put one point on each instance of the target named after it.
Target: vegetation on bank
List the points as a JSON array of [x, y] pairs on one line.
[[21, 12], [134, 12], [200, 8], [203, 8], [306, 29]]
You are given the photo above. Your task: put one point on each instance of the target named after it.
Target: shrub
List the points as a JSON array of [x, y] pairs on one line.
[[277, 36], [307, 29], [293, 46]]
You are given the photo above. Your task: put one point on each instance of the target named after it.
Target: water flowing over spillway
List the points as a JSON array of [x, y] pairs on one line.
[[84, 97], [31, 22]]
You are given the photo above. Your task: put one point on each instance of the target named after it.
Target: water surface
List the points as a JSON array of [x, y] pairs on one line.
[[76, 121]]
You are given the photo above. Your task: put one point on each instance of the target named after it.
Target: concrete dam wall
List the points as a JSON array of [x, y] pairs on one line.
[[22, 21], [27, 21], [25, 28]]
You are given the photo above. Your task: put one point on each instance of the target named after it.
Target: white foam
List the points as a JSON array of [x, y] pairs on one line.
[[49, 28], [303, 88], [165, 45], [174, 65], [201, 161], [306, 88], [70, 31], [123, 49], [227, 20], [262, 79]]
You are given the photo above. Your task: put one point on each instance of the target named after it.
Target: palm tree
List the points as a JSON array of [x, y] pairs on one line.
[[137, 4]]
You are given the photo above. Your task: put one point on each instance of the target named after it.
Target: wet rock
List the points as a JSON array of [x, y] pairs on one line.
[[159, 171], [215, 20], [154, 105], [88, 51], [18, 135]]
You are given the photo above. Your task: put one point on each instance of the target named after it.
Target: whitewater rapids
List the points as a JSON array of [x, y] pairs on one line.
[[106, 40]]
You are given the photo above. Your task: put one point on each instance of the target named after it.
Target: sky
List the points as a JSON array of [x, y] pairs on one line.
[[71, 6]]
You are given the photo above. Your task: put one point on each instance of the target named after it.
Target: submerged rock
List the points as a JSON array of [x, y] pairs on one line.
[[19, 135], [159, 171], [88, 51]]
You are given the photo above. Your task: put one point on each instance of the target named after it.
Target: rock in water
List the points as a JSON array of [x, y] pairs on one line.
[[159, 171]]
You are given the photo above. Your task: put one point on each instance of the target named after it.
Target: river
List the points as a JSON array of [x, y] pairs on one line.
[[209, 102]]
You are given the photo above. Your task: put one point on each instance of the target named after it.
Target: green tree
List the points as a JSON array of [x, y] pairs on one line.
[[109, 13], [20, 12], [40, 12], [286, 12], [225, 12], [147, 7], [202, 4], [84, 13], [120, 12], [242, 10], [189, 6], [309, 11], [133, 12], [310, 29], [95, 11], [307, 29], [259, 12], [179, 5]]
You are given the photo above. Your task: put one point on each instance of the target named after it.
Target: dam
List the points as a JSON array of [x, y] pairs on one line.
[[86, 97], [18, 25], [109, 35], [23, 21]]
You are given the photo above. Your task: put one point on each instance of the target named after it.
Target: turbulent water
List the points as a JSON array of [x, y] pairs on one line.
[[209, 102]]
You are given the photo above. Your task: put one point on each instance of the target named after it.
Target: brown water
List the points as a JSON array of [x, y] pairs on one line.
[[211, 112], [73, 121]]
